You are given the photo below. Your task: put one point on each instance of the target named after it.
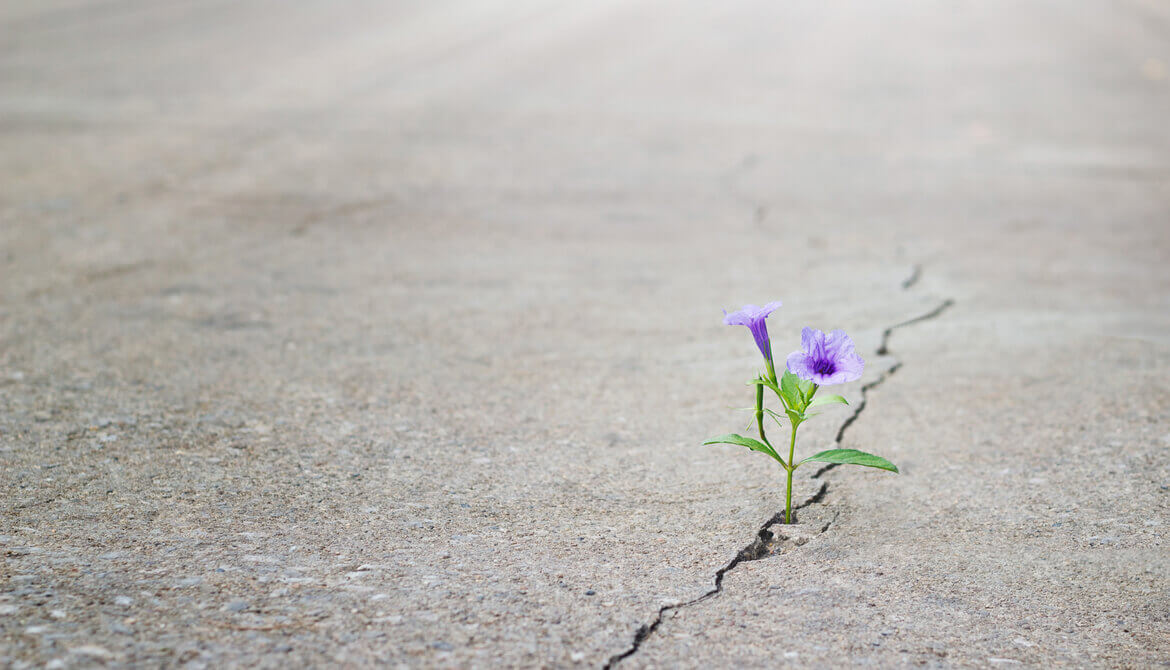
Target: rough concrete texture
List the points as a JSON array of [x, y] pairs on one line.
[[388, 335]]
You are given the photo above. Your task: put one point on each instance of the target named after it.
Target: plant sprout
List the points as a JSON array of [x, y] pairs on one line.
[[823, 360]]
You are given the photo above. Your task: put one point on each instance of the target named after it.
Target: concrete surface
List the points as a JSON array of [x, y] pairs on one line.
[[388, 336]]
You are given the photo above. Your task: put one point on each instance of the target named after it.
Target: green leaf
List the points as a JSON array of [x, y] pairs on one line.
[[852, 457], [826, 399], [754, 445], [790, 389], [806, 388], [795, 417]]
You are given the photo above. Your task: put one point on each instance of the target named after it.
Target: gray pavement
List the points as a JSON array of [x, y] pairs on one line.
[[388, 335]]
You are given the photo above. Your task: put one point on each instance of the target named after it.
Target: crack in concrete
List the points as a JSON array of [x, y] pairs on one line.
[[915, 275], [762, 546], [765, 542], [830, 522], [882, 350]]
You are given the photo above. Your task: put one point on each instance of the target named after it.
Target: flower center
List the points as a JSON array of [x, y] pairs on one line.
[[825, 366]]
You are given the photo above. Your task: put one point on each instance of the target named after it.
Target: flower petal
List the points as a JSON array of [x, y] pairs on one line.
[[750, 314], [850, 367], [838, 344], [801, 364], [770, 307], [740, 318], [808, 338]]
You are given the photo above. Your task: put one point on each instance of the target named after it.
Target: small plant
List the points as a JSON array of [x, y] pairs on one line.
[[823, 360]]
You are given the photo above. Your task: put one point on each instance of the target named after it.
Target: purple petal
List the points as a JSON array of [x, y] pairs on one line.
[[850, 367], [808, 338], [838, 344], [739, 318], [826, 359], [800, 364], [769, 308], [759, 330], [749, 314], [744, 316]]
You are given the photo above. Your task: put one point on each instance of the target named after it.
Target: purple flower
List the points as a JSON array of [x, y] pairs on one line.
[[754, 318], [826, 359]]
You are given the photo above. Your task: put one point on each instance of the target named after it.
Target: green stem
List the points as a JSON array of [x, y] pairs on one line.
[[791, 455], [760, 413]]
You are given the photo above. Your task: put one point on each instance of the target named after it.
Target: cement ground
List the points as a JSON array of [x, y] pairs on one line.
[[388, 335]]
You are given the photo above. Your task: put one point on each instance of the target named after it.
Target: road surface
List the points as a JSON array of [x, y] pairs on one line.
[[388, 334]]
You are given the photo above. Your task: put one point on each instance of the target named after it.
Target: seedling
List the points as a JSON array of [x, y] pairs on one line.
[[823, 360]]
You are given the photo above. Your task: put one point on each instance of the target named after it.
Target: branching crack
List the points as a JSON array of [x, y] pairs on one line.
[[766, 542], [882, 350]]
